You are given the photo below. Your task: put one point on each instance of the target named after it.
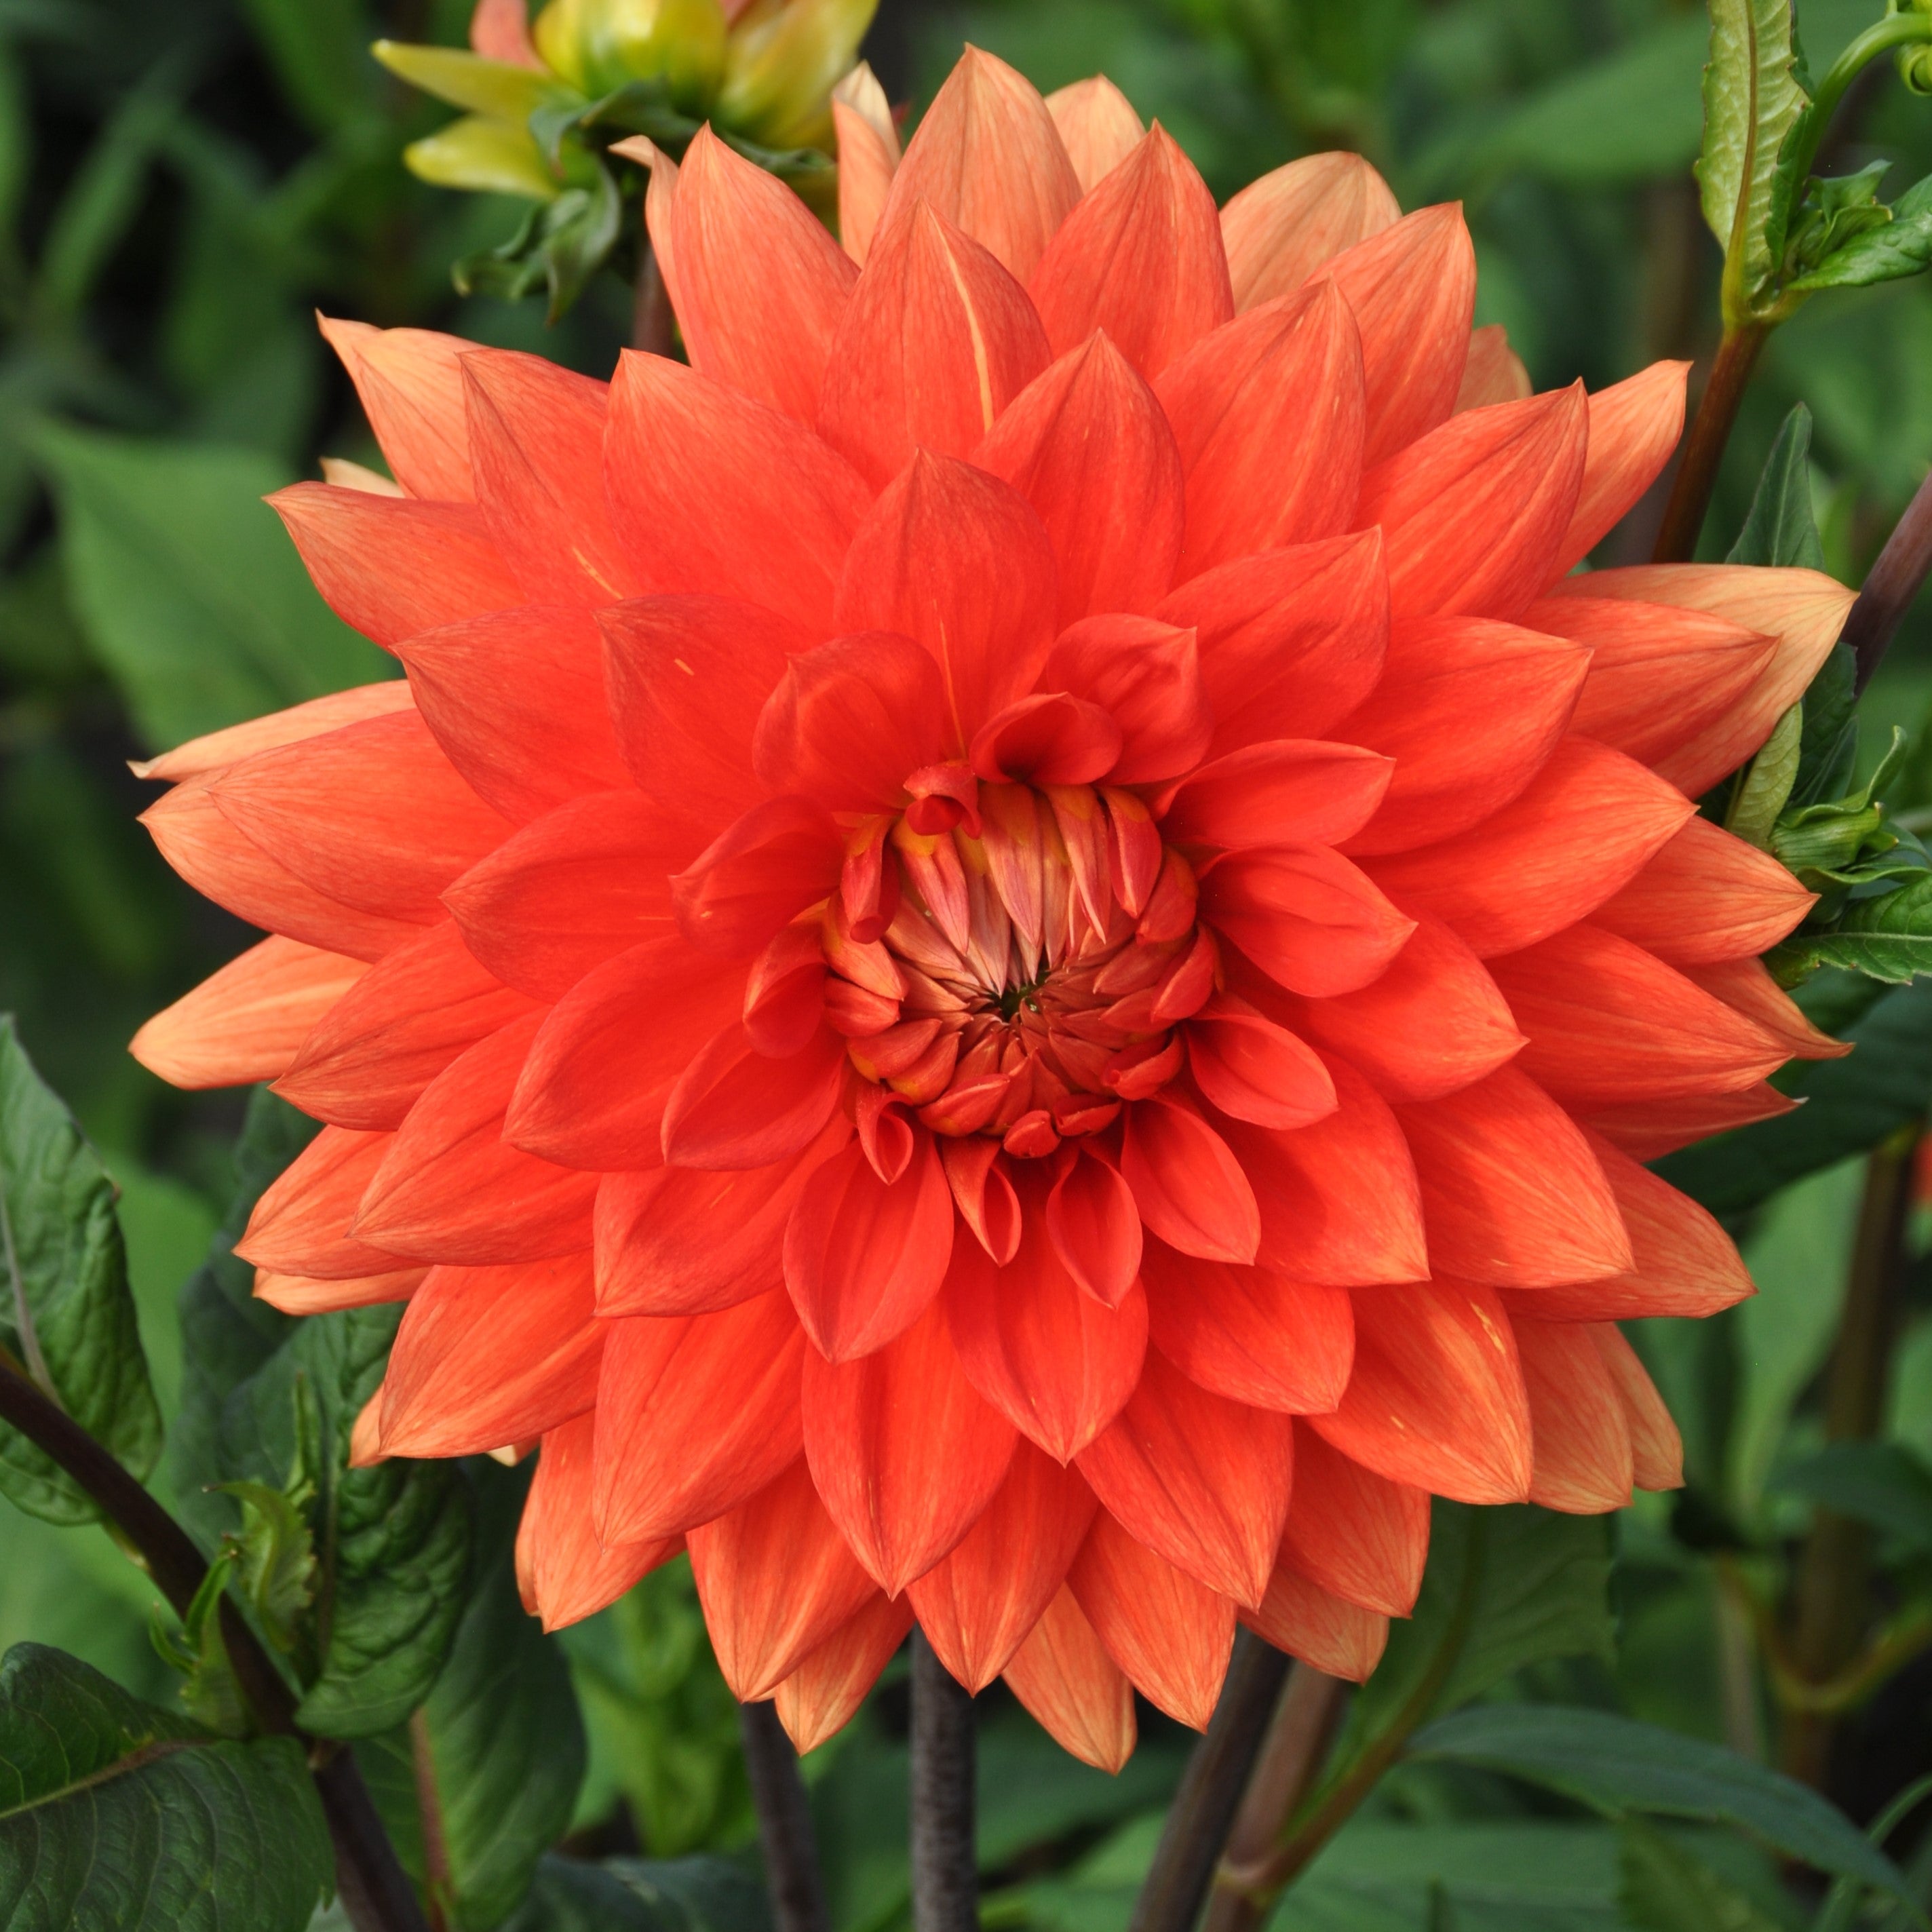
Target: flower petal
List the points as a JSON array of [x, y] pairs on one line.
[[1582, 1440], [1063, 1675], [1360, 1536], [1279, 230], [819, 1697]]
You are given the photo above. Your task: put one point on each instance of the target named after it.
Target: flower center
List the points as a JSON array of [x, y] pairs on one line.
[[1016, 963]]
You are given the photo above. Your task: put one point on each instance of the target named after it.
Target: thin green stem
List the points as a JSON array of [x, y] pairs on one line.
[[1704, 447], [1895, 30]]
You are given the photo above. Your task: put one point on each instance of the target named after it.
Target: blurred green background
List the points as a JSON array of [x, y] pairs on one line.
[[182, 187]]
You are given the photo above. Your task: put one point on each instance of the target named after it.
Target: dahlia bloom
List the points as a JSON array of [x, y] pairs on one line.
[[1010, 955]]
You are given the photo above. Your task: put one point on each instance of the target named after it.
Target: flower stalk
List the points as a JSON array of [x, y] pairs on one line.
[[1892, 583], [1704, 448], [945, 1869], [792, 1875], [375, 1892]]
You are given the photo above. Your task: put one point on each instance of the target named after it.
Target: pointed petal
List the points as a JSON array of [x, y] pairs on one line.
[[516, 702], [1188, 1184], [1472, 513], [373, 814], [1097, 125], [1657, 1450], [1080, 1696], [572, 890], [1335, 1636], [867, 158], [247, 1021], [390, 567], [956, 559], [1055, 1361], [592, 1091], [1684, 1262], [1707, 897], [905, 1454], [775, 1579], [1340, 1201], [1360, 1536], [1171, 1634], [1087, 445], [1470, 710], [536, 439], [1308, 919], [1512, 1193], [491, 1355], [366, 1062], [409, 382], [1200, 1480], [1648, 1129], [987, 158], [1249, 1333], [1291, 640], [1803, 609], [1095, 1228], [565, 1573], [1581, 831], [937, 340], [748, 250], [1285, 377], [300, 1225], [1412, 287], [451, 1188], [1435, 1021], [1634, 425], [214, 751], [1494, 373], [978, 1603], [1658, 676], [863, 1260], [735, 1107], [1437, 1399], [1301, 791], [305, 1295], [1141, 258], [1251, 1068], [849, 720], [821, 1696], [1279, 230], [678, 445], [1747, 989], [696, 1414], [1609, 1022], [1146, 676], [682, 1241], [1582, 1444]]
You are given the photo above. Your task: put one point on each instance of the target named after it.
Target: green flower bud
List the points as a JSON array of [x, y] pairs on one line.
[[494, 88], [599, 46], [785, 57], [485, 155]]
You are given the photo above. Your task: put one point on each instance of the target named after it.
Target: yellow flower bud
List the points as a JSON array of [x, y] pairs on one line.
[[599, 45], [783, 58], [486, 155], [495, 87]]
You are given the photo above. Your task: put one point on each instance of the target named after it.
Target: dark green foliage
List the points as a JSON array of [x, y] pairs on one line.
[[66, 1317], [116, 1817]]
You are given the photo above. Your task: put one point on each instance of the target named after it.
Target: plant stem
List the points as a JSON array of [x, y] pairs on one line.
[[1305, 1719], [653, 326], [1704, 448], [785, 1823], [376, 1892], [1890, 584], [1832, 1589], [1199, 1819], [945, 1867]]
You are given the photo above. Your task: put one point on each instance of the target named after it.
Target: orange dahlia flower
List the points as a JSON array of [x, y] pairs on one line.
[[1010, 954]]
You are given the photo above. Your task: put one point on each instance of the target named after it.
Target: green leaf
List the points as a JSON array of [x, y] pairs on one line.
[[1887, 936], [1850, 1105], [1767, 780], [1780, 527], [192, 594], [498, 1751], [1505, 1588], [1751, 98], [116, 1816], [558, 247], [1619, 1766], [1901, 247], [398, 1557], [1665, 1889], [1629, 115], [66, 1314], [1881, 1483], [696, 1894]]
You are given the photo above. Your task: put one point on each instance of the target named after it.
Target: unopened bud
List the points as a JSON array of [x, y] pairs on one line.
[[783, 58]]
